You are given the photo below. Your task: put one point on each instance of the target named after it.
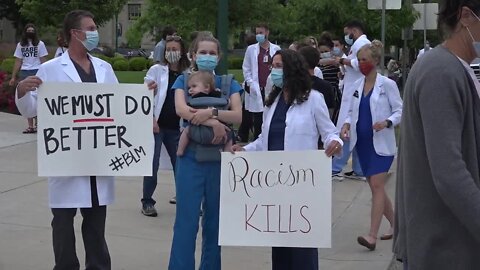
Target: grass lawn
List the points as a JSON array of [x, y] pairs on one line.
[[137, 76], [238, 73], [130, 76]]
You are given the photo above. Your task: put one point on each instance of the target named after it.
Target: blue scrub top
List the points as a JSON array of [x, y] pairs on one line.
[[235, 87]]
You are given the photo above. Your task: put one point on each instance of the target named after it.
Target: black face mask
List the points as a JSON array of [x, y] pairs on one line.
[[30, 35]]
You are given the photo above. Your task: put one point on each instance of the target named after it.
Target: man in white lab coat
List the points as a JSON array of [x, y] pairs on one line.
[[89, 193], [256, 68], [354, 37], [424, 50]]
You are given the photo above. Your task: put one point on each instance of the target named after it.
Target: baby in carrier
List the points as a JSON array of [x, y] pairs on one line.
[[201, 95]]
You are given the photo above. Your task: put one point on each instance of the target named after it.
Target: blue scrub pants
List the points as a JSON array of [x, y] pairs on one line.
[[339, 163], [196, 182]]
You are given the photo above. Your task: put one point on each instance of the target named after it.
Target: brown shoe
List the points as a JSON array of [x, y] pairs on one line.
[[363, 241]]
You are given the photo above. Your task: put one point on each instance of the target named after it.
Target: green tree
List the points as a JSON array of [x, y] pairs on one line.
[[52, 12], [192, 15], [312, 17], [10, 10]]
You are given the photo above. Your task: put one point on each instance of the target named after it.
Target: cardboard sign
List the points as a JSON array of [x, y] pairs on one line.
[[277, 198], [94, 129]]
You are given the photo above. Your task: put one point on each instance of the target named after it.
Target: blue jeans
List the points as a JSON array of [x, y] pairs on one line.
[[196, 182], [339, 163], [169, 137]]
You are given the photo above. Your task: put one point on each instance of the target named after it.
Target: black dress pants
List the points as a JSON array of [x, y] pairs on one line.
[[251, 120], [286, 258], [93, 233]]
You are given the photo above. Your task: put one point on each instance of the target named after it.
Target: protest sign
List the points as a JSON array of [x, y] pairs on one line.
[[277, 198], [94, 129]]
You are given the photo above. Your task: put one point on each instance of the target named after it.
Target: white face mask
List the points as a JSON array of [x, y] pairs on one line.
[[476, 44], [173, 56]]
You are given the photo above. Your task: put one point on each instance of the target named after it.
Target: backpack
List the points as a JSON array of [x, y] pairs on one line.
[[220, 103]]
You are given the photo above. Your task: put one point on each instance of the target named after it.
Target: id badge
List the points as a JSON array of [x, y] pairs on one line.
[[265, 58]]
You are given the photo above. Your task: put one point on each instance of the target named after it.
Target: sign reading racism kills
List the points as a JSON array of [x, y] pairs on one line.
[[94, 129], [280, 199]]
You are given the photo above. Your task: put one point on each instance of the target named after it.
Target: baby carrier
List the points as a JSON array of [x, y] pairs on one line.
[[201, 136]]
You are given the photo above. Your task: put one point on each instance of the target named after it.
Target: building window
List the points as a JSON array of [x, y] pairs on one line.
[[134, 11]]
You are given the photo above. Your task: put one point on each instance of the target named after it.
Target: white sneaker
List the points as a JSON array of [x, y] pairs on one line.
[[337, 177], [352, 175]]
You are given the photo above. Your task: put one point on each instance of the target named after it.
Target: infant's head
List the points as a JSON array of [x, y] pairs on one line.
[[201, 82]]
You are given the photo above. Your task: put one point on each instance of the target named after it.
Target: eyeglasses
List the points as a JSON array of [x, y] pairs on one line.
[[173, 38]]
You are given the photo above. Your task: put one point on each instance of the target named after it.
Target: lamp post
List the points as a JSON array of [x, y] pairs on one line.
[[222, 34]]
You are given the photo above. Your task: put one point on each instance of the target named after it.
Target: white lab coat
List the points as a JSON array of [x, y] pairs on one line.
[[70, 192], [159, 74], [352, 74], [317, 72], [385, 103], [305, 122], [253, 101]]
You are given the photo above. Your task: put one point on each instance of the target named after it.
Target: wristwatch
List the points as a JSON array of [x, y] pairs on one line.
[[214, 113], [389, 123]]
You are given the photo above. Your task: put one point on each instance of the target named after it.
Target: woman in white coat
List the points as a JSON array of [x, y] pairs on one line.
[[166, 123], [294, 118], [376, 108]]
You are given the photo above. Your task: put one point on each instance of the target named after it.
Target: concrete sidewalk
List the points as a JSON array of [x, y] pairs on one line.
[[137, 242]]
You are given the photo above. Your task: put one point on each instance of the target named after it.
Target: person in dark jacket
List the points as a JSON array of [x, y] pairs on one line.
[[437, 208]]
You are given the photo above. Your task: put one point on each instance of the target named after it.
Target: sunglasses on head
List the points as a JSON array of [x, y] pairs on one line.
[[174, 38]]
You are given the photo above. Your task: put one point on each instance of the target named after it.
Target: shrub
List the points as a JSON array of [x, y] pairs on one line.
[[105, 58], [7, 95], [150, 63], [7, 65], [235, 62], [138, 63], [120, 65]]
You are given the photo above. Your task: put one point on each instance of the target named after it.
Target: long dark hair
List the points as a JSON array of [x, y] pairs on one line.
[[296, 78], [183, 63], [24, 40]]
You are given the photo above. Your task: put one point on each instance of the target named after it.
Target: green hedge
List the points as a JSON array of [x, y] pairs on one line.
[[120, 65], [137, 63], [235, 62], [107, 59], [7, 64]]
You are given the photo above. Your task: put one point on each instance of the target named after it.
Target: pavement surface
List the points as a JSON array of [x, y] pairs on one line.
[[143, 243]]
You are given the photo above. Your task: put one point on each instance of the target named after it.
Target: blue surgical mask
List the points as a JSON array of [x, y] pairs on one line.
[[348, 39], [91, 40], [337, 51], [260, 38], [476, 44], [326, 55], [206, 62], [277, 77]]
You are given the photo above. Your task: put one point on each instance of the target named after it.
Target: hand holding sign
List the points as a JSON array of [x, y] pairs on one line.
[[279, 198], [94, 129], [31, 83]]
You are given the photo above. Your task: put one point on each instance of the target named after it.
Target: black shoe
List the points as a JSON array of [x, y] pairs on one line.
[[149, 210]]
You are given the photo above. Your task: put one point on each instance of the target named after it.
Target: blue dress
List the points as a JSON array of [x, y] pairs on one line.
[[370, 161]]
